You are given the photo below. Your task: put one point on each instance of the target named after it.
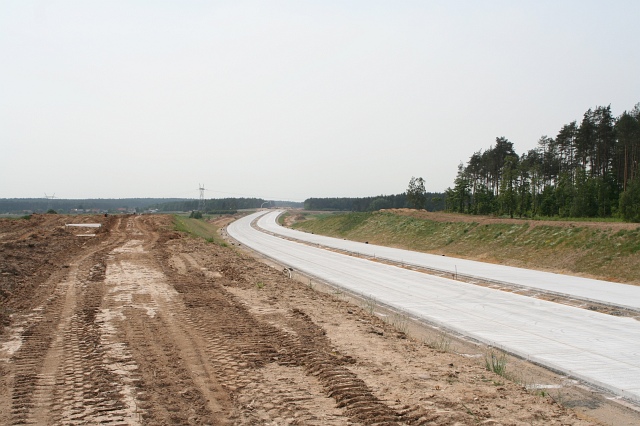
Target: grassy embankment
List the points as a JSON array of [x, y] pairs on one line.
[[198, 228], [598, 252]]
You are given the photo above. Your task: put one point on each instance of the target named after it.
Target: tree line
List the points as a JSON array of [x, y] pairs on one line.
[[430, 201], [61, 205], [222, 205], [115, 205], [590, 169]]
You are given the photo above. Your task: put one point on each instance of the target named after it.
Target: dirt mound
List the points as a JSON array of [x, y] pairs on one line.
[[31, 251]]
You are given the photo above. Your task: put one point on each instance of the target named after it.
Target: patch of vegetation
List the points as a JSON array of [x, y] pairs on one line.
[[399, 321], [369, 304], [308, 216], [282, 217], [336, 224], [353, 220], [496, 362], [441, 342], [198, 228], [220, 212]]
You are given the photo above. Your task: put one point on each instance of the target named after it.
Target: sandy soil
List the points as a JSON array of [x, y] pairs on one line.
[[141, 325]]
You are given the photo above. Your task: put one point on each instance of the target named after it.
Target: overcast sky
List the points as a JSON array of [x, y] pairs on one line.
[[293, 99]]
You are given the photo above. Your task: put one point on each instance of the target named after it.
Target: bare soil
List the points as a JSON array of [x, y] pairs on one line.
[[142, 325]]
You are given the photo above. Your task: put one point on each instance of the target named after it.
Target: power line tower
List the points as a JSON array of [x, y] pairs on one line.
[[201, 202], [49, 200]]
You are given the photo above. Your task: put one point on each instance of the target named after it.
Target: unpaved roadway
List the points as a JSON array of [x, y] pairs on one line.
[[141, 325]]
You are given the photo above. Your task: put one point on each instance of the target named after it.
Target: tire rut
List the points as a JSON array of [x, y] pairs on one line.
[[244, 344], [58, 375], [169, 356]]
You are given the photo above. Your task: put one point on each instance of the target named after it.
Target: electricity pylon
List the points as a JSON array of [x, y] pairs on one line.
[[201, 202], [49, 199]]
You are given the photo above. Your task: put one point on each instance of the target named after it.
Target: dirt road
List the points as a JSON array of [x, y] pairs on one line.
[[140, 325]]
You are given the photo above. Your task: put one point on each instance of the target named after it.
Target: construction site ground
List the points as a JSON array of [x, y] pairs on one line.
[[140, 324]]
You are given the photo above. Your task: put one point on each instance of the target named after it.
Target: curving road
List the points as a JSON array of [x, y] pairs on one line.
[[603, 350], [623, 295]]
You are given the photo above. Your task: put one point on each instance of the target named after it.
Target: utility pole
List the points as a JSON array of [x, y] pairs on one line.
[[201, 202]]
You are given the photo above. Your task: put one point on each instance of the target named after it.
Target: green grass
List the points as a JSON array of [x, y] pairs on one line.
[[317, 215], [198, 228]]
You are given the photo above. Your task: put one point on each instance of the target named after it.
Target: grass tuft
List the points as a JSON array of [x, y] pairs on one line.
[[399, 321], [369, 304], [441, 342], [496, 361]]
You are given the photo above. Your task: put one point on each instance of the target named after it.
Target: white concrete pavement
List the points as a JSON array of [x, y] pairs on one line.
[[600, 349], [616, 294]]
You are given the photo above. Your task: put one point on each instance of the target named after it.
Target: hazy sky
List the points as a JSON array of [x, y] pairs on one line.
[[293, 99]]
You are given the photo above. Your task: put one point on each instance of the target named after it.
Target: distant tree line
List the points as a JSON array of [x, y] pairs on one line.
[[218, 205], [432, 202], [41, 205], [590, 169]]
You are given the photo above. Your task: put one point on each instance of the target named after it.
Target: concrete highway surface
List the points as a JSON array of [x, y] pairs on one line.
[[623, 295], [600, 349]]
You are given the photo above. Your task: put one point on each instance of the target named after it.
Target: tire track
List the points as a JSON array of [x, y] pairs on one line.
[[244, 344], [169, 355], [57, 372]]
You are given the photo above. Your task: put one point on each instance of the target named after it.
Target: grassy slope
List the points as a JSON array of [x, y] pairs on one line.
[[600, 253], [198, 228]]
